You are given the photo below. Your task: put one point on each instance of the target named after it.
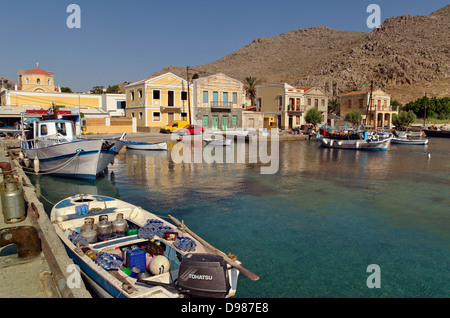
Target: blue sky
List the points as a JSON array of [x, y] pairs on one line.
[[128, 40]]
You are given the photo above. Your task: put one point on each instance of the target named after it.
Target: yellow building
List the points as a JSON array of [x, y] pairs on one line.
[[45, 100], [379, 109], [36, 80], [285, 106], [36, 90], [158, 100]]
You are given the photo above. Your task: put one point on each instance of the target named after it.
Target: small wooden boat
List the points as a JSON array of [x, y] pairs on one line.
[[434, 132], [125, 251], [146, 145], [218, 142], [406, 141], [351, 139], [359, 144]]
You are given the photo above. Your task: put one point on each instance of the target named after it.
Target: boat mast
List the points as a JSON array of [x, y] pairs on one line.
[[369, 105], [425, 113], [188, 95]]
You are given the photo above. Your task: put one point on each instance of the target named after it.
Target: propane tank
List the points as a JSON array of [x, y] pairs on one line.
[[89, 234], [119, 226], [88, 221], [103, 228], [13, 203]]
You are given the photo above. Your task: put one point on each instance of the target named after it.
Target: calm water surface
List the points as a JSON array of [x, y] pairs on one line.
[[311, 229]]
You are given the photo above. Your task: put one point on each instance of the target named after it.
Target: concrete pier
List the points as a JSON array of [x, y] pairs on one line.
[[43, 271]]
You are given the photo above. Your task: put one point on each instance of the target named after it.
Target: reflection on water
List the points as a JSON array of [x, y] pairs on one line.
[[53, 189], [311, 229]]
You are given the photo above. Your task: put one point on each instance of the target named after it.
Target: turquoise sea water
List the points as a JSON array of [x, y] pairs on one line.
[[311, 229]]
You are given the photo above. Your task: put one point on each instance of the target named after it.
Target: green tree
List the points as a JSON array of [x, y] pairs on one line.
[[97, 90], [250, 84], [113, 89], [66, 90], [313, 116], [353, 117], [333, 105], [435, 107], [404, 119], [396, 105]]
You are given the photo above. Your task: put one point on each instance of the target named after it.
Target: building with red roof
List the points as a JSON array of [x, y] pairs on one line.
[[36, 80]]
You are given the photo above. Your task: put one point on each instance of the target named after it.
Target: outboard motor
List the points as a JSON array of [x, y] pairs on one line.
[[199, 276], [204, 275]]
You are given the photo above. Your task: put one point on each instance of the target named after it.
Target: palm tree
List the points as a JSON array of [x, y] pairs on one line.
[[250, 84]]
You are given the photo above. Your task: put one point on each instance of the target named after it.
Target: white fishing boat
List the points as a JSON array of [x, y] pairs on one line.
[[218, 142], [158, 146], [408, 141], [352, 139], [52, 148], [126, 251], [361, 144]]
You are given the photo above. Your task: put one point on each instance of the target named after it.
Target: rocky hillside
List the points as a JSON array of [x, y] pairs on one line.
[[407, 56]]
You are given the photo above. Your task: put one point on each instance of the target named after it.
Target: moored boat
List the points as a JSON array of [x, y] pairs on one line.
[[351, 139], [408, 141], [435, 132], [218, 142], [361, 144], [52, 148], [130, 252], [158, 146]]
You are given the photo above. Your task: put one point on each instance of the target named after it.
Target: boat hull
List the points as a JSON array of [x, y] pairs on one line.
[[83, 159], [409, 141], [157, 146], [355, 144], [437, 133]]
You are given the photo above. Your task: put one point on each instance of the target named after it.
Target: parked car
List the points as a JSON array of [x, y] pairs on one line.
[[170, 127], [189, 130]]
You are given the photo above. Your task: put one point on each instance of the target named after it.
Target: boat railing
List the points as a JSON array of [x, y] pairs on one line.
[[45, 141]]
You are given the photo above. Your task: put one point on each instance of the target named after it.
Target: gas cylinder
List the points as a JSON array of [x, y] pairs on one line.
[[89, 234], [88, 221], [119, 226], [103, 228], [13, 203]]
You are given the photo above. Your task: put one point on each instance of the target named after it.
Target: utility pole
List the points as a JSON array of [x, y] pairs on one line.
[[369, 105], [425, 113], [188, 95]]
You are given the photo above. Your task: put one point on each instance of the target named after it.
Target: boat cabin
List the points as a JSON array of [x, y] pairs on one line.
[[57, 127]]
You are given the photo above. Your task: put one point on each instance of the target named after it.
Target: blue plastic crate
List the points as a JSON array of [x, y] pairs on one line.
[[136, 258]]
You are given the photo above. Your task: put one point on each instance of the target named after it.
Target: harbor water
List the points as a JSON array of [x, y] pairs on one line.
[[313, 228]]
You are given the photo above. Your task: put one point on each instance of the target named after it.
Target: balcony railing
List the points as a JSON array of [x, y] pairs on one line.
[[383, 108], [296, 108], [219, 106]]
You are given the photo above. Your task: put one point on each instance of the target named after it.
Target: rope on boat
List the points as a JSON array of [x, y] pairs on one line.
[[63, 165]]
